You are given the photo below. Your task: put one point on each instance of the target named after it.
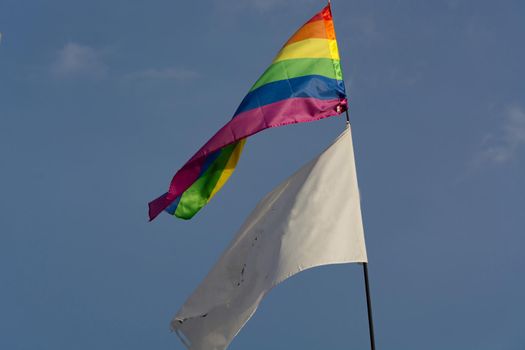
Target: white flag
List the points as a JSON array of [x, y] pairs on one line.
[[312, 219]]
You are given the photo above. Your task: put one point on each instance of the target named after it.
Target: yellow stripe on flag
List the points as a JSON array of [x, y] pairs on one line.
[[309, 48], [230, 167]]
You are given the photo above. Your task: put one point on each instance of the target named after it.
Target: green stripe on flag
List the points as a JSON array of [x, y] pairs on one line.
[[197, 195], [300, 67]]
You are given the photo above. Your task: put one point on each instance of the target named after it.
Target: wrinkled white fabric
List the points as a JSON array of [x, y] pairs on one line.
[[311, 219]]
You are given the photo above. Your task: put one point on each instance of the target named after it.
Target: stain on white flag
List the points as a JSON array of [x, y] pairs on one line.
[[311, 219]]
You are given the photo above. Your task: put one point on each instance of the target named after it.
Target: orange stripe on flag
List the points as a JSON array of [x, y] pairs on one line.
[[317, 29]]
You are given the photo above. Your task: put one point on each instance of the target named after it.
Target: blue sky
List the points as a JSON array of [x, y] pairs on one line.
[[101, 101]]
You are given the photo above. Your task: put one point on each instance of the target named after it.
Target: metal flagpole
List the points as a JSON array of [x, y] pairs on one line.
[[369, 308], [367, 287]]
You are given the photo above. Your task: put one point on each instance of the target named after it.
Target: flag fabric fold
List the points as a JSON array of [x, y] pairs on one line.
[[304, 83], [311, 219]]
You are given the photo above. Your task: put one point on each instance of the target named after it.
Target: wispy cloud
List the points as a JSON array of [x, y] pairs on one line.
[[259, 5], [170, 73], [264, 5], [503, 146], [76, 60], [365, 28]]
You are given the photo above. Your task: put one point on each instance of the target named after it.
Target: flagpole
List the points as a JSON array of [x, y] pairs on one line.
[[369, 308], [367, 284]]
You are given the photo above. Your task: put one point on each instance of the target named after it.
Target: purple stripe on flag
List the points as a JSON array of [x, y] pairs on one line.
[[290, 111]]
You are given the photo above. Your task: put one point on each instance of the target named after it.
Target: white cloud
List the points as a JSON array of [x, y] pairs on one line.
[[260, 5], [75, 60], [170, 73], [504, 145], [264, 5], [365, 28]]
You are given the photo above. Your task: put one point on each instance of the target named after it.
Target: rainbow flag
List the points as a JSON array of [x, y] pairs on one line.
[[304, 83]]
